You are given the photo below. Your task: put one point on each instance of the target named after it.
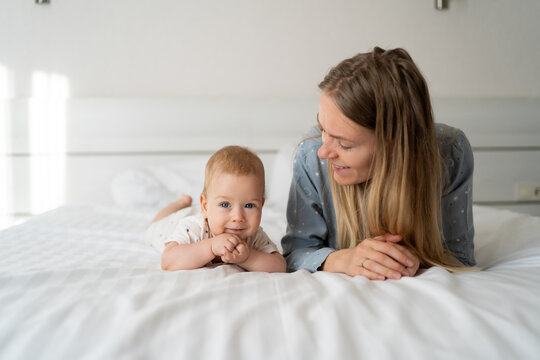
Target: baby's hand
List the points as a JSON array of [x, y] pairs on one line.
[[225, 245], [239, 255]]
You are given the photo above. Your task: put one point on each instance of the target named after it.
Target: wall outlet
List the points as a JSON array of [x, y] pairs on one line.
[[529, 191]]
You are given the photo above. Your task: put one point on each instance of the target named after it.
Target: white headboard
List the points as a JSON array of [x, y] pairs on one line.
[[68, 150]]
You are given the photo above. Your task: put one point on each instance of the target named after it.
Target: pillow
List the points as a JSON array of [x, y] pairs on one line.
[[159, 185]]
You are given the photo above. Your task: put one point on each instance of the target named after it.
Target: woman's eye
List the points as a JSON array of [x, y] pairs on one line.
[[225, 205], [344, 147], [250, 206]]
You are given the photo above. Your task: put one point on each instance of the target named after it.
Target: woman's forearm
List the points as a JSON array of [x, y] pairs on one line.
[[332, 263], [375, 258]]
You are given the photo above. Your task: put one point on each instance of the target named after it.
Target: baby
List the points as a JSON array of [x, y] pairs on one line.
[[227, 229]]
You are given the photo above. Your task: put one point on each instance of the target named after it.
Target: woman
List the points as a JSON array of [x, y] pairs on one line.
[[378, 189]]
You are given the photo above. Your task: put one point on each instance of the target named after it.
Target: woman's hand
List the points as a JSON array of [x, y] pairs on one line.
[[375, 258], [413, 269]]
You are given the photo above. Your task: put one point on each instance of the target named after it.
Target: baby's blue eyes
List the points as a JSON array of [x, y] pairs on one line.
[[227, 205]]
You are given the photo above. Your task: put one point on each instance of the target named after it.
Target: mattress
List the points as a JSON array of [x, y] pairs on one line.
[[79, 283]]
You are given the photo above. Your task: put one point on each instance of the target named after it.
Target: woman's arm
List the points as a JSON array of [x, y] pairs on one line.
[[309, 236], [456, 204], [377, 259]]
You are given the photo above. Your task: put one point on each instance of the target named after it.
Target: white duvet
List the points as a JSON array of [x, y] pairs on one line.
[[78, 283]]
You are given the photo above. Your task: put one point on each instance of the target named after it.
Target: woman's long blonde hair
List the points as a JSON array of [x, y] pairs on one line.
[[384, 91]]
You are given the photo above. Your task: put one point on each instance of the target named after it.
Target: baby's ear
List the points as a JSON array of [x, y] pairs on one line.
[[204, 205], [263, 200]]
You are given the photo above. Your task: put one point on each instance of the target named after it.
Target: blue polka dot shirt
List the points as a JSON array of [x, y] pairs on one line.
[[311, 230]]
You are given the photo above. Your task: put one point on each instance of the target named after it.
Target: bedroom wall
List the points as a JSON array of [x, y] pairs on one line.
[[480, 57], [168, 48]]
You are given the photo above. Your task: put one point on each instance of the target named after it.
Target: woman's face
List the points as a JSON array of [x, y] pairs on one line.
[[349, 147]]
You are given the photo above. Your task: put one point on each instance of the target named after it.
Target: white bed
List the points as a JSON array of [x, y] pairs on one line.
[[79, 283]]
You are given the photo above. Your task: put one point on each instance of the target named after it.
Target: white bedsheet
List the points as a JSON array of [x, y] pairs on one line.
[[78, 283]]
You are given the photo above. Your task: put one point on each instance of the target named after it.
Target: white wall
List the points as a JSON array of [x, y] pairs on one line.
[[72, 66], [277, 48]]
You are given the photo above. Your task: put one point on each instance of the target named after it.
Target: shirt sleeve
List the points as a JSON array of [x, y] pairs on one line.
[[260, 241], [305, 245], [456, 204]]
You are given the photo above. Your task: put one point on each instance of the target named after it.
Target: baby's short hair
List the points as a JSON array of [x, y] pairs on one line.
[[234, 160]]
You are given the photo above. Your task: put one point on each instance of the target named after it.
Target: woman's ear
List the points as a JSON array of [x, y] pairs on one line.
[[204, 206]]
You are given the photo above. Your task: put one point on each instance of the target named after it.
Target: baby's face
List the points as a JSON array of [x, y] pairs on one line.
[[233, 204]]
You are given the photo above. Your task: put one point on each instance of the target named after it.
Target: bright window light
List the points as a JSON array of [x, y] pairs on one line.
[[47, 141], [6, 168]]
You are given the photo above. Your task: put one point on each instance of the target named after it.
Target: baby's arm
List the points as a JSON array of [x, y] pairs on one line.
[[186, 256], [193, 256], [263, 262]]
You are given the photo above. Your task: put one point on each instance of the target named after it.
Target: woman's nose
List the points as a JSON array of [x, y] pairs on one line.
[[326, 151]]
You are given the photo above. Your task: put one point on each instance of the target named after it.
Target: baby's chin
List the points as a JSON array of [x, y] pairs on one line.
[[243, 235]]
